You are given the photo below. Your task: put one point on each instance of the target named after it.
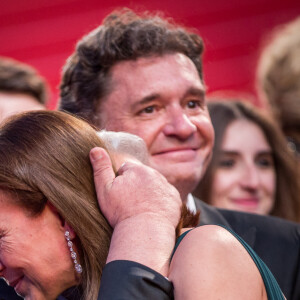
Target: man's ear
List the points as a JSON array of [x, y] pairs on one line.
[[63, 223]]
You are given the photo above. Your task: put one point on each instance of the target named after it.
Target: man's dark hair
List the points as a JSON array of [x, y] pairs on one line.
[[17, 77], [123, 35]]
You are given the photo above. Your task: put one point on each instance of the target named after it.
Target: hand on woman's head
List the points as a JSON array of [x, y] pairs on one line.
[[136, 190]]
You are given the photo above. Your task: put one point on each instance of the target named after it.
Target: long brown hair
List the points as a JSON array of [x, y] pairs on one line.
[[223, 113], [44, 156]]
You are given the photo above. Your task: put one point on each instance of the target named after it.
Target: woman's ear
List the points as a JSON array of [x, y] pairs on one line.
[[67, 227], [63, 223]]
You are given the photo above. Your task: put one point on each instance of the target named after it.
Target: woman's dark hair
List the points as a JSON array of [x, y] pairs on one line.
[[223, 113]]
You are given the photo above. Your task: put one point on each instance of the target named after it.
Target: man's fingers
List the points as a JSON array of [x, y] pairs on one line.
[[103, 171]]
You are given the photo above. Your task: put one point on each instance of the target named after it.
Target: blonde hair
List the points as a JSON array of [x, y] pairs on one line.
[[278, 74]]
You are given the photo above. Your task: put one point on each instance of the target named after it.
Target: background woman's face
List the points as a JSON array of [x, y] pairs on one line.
[[34, 256], [245, 178]]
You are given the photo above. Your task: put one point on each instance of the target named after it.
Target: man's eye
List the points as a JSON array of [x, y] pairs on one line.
[[148, 110], [193, 104]]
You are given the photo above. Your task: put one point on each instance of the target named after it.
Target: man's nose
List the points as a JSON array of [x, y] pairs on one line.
[[179, 124]]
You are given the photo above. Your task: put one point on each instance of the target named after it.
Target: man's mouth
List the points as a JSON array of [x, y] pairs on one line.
[[175, 150], [176, 155]]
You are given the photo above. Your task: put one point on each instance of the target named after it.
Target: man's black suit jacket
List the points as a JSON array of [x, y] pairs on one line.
[[276, 241]]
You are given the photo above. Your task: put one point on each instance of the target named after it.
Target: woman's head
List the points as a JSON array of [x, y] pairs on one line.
[[45, 172], [34, 258], [251, 164]]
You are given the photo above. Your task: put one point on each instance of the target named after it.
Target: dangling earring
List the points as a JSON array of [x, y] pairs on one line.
[[78, 267]]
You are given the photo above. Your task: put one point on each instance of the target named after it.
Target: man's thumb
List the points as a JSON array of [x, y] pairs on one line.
[[103, 170]]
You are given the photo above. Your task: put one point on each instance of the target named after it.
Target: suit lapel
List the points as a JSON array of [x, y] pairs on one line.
[[209, 214], [230, 219]]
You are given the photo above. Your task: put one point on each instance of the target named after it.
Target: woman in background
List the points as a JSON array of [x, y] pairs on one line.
[[252, 169]]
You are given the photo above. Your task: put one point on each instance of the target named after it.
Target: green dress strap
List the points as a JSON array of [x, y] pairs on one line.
[[272, 288]]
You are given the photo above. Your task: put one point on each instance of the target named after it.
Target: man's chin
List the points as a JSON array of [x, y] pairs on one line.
[[185, 182]]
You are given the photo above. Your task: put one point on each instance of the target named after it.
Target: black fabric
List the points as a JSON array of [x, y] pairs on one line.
[[72, 293], [124, 280], [7, 292]]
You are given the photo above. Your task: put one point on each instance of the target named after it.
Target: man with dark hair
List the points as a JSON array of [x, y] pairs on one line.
[[143, 74], [21, 88], [123, 36]]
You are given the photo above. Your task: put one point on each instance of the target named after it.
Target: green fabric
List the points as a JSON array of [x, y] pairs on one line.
[[272, 288]]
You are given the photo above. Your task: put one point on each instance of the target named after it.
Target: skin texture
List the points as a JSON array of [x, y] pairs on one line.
[[34, 256], [203, 267], [11, 103], [245, 177], [161, 99]]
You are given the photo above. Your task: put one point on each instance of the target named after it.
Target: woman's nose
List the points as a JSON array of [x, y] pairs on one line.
[[250, 178]]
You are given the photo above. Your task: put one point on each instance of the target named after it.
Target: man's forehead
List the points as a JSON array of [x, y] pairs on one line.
[[147, 75], [143, 64]]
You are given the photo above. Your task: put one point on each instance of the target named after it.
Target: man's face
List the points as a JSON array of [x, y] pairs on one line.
[[162, 100]]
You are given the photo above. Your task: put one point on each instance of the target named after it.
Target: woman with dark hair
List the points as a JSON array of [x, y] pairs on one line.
[[54, 239], [252, 169]]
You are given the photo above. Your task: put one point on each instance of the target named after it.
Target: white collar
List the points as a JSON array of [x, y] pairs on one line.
[[190, 203]]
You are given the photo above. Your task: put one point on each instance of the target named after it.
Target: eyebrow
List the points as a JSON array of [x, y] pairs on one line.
[[194, 92], [145, 100]]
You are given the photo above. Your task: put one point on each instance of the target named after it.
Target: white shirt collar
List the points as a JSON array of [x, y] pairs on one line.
[[190, 203]]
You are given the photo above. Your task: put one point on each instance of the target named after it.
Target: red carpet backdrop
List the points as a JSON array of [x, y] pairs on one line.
[[43, 33]]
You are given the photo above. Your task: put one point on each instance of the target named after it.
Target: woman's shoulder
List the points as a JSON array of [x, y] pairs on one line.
[[209, 244], [207, 236], [211, 257]]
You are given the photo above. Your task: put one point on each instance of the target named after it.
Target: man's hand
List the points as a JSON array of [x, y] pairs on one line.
[[138, 189], [143, 208]]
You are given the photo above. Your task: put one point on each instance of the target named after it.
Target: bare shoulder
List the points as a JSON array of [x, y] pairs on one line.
[[210, 262], [208, 244]]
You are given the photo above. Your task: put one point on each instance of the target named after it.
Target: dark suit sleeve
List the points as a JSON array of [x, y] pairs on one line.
[[122, 279], [7, 292]]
